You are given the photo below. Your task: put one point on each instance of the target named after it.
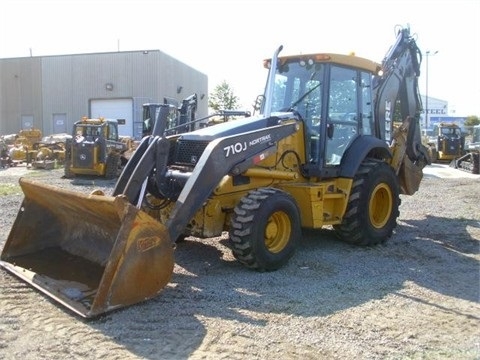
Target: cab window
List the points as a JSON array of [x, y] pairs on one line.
[[112, 132], [343, 116]]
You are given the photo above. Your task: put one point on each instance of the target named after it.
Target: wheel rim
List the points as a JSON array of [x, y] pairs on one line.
[[277, 232], [380, 206]]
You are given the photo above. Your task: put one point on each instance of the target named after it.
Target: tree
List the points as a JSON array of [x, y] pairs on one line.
[[471, 120], [223, 98]]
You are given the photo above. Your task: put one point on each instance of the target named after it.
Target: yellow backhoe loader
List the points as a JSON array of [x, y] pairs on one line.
[[322, 151]]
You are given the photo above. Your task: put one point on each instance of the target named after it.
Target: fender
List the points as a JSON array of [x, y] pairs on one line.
[[360, 148]]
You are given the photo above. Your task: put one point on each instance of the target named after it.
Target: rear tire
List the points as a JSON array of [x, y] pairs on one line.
[[265, 229], [372, 208]]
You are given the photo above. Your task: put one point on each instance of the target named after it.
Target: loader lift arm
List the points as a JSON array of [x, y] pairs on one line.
[[226, 155]]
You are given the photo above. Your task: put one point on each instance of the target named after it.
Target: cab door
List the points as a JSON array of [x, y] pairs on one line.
[[349, 112], [342, 113]]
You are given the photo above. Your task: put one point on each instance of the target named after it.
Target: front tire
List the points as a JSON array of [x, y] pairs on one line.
[[265, 229], [112, 166], [67, 164], [372, 208], [67, 171], [434, 155]]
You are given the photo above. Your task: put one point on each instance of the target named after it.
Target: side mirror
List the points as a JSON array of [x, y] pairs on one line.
[[257, 105]]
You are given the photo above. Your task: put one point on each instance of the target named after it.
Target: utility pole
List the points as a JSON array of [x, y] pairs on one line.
[[428, 54]]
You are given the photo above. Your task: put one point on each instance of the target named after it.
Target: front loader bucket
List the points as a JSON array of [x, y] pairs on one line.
[[91, 253]]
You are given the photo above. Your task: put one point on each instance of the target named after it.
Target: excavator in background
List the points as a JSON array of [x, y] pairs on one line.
[[178, 118], [323, 151], [470, 160], [181, 118]]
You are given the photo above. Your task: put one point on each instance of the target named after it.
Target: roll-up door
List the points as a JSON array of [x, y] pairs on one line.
[[120, 109]]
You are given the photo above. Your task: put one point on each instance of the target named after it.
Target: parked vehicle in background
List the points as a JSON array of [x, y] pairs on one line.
[[445, 143], [96, 149], [470, 161]]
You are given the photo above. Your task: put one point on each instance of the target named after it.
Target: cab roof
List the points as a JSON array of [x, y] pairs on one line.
[[347, 60]]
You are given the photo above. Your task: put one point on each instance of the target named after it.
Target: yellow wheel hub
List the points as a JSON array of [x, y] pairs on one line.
[[277, 232], [380, 205]]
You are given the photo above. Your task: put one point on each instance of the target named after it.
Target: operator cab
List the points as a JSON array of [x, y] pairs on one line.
[[451, 132], [90, 131], [332, 95]]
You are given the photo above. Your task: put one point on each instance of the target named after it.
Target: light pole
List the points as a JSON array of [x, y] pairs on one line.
[[427, 54]]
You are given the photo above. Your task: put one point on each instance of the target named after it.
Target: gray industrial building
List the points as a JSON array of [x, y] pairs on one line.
[[51, 93]]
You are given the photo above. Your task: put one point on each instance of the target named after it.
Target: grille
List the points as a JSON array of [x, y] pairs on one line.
[[452, 146], [187, 152], [83, 157]]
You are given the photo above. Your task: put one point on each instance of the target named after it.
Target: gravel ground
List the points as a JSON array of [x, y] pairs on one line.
[[416, 297]]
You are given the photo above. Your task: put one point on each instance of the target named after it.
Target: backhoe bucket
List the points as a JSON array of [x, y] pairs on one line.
[[91, 253]]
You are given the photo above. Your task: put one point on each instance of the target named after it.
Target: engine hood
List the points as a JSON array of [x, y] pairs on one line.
[[234, 127]]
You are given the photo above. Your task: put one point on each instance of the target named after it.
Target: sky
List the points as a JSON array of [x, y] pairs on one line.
[[227, 39]]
